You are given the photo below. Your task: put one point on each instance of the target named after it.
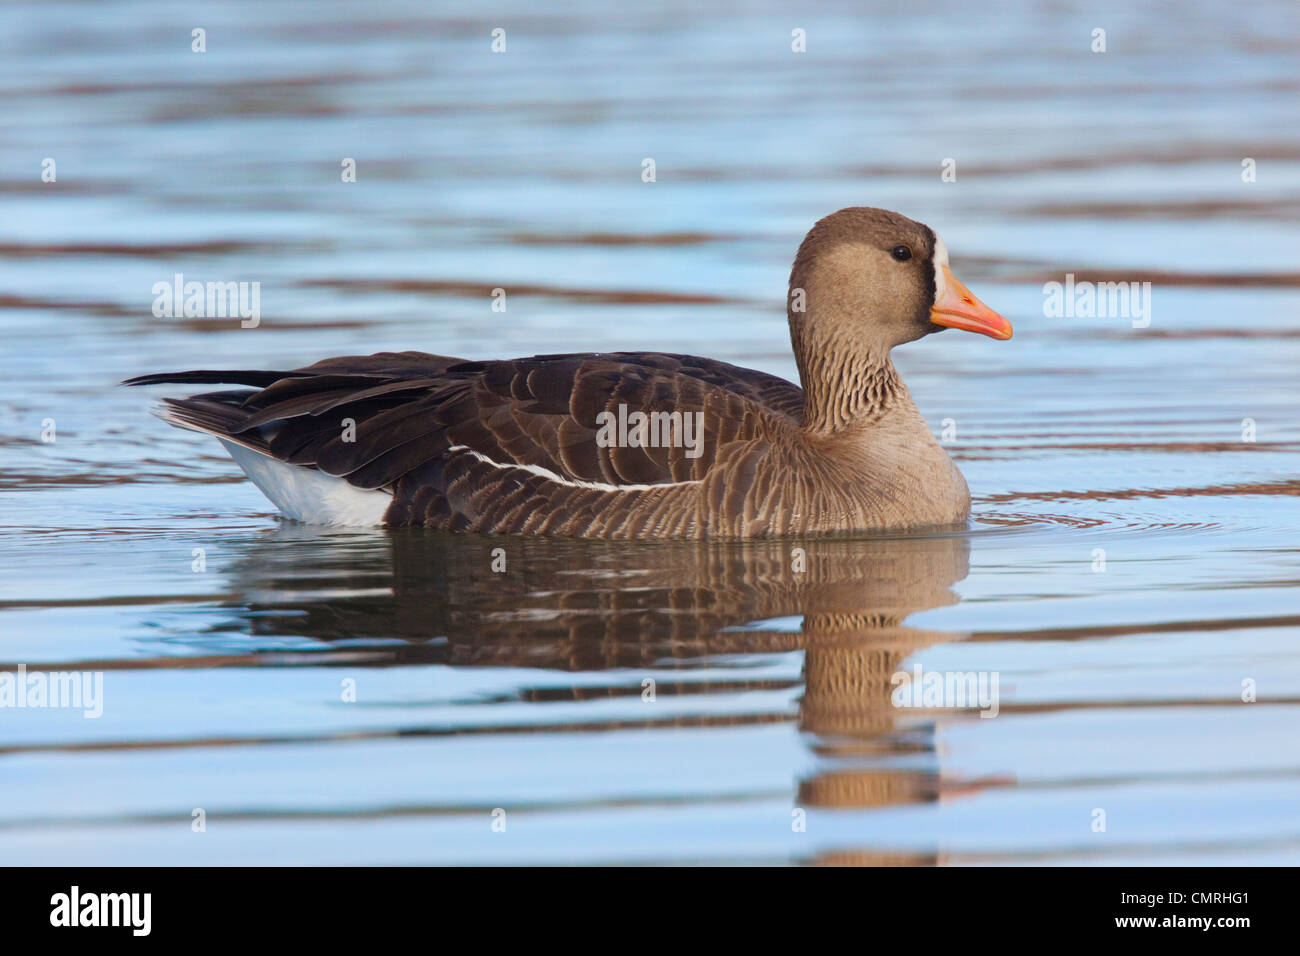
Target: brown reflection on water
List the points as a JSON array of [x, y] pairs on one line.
[[587, 605], [672, 606]]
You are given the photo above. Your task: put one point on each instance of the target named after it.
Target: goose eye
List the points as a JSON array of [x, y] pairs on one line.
[[901, 253]]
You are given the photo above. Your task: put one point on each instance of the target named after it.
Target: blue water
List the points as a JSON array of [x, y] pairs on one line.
[[771, 736]]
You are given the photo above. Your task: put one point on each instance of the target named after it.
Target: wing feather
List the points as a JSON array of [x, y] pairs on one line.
[[407, 409]]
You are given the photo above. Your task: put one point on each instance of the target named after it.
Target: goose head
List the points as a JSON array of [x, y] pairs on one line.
[[868, 279]]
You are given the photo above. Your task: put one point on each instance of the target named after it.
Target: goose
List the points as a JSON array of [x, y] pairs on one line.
[[553, 445]]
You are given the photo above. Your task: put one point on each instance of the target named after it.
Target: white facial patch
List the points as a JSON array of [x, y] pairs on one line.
[[940, 260]]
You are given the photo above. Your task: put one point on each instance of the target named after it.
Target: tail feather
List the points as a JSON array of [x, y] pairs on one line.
[[257, 378], [275, 408], [212, 415], [301, 493]]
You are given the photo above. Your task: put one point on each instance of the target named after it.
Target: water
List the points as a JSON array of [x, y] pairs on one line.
[[1131, 561]]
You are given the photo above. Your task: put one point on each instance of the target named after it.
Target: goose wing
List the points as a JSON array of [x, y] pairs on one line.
[[381, 419]]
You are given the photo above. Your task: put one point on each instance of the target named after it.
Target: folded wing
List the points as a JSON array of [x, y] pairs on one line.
[[384, 420]]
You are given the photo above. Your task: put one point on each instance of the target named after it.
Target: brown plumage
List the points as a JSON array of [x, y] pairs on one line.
[[553, 444]]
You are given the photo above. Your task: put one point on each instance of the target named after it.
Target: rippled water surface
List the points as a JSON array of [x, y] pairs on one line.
[[1131, 572]]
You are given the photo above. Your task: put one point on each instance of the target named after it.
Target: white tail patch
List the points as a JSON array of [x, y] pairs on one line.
[[308, 495]]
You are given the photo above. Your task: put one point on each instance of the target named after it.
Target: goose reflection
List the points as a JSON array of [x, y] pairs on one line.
[[662, 606]]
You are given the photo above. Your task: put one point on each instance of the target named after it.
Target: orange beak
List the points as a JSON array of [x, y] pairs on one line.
[[957, 308]]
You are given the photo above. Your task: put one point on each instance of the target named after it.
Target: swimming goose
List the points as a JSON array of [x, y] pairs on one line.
[[628, 444]]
